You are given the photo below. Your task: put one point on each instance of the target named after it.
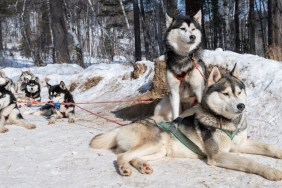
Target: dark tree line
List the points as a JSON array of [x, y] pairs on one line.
[[90, 31]]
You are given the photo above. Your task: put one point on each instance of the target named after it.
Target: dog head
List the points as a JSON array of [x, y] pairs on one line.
[[225, 95], [57, 93], [26, 76], [184, 34], [33, 86]]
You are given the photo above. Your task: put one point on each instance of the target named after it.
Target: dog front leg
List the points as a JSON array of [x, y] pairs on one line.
[[174, 86], [70, 114], [3, 129], [252, 147], [231, 161], [71, 117], [197, 83], [54, 116]]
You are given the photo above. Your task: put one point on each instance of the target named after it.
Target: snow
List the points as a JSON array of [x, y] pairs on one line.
[[59, 156]]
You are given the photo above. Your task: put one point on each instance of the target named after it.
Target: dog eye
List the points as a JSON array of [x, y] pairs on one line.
[[183, 29], [239, 93], [226, 94], [193, 29]]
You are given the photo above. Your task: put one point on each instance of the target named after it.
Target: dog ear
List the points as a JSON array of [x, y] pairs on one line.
[[235, 72], [198, 17], [168, 20], [48, 85], [214, 76], [62, 85], [36, 79], [2, 74]]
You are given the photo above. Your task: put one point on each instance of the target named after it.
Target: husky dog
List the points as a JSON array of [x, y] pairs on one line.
[[32, 89], [217, 127], [24, 77], [58, 94], [9, 84], [183, 54], [9, 111]]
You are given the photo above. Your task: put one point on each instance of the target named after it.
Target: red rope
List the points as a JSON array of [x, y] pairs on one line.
[[196, 66], [99, 102], [116, 101], [113, 121]]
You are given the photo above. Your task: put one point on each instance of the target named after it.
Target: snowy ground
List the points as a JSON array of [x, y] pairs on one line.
[[59, 156]]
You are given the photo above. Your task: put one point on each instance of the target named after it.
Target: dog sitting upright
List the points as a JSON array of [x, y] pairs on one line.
[[9, 111], [183, 54], [24, 77], [58, 94], [32, 89]]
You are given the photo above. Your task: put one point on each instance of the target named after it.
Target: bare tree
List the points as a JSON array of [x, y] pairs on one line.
[[137, 31], [275, 23], [252, 25], [59, 32], [237, 28]]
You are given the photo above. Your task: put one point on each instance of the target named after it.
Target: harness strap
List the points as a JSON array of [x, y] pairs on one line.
[[230, 134], [180, 136]]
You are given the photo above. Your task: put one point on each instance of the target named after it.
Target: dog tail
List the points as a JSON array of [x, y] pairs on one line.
[[104, 141]]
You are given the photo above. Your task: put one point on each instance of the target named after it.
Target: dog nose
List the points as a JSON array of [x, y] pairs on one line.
[[192, 37], [31, 89], [241, 107]]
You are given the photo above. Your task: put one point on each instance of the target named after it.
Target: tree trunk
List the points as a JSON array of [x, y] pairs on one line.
[[191, 8], [137, 31], [252, 29], [146, 34], [1, 39], [159, 16], [261, 25], [216, 23], [59, 29], [237, 30], [171, 7], [275, 23]]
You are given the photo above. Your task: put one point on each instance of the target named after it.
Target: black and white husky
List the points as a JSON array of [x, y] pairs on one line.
[[58, 95], [32, 89], [24, 78], [183, 54], [9, 111]]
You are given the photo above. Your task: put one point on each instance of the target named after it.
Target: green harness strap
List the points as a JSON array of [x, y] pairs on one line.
[[229, 134], [179, 135]]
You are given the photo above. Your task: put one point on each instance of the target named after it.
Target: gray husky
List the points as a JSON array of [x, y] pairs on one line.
[[9, 111], [217, 127], [183, 54]]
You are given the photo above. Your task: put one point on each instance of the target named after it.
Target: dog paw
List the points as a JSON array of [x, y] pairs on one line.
[[125, 170], [145, 168], [3, 129], [31, 126], [279, 155], [51, 122], [71, 120], [273, 174]]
